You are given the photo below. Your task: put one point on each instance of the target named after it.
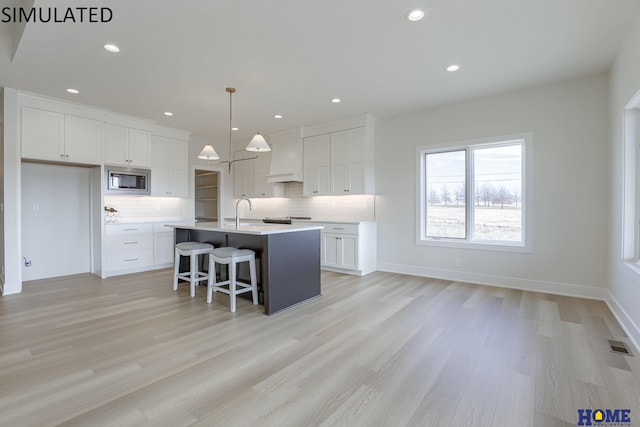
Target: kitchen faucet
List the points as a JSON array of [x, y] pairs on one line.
[[237, 203]]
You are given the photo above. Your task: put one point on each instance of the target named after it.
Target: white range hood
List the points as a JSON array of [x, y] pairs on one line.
[[286, 156]]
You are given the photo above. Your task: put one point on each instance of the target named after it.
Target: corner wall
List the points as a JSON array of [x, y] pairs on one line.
[[11, 196], [623, 295], [571, 180]]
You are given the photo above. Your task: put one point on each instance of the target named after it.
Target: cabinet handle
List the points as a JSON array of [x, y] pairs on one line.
[[130, 229], [66, 156], [132, 259], [130, 243], [338, 228]]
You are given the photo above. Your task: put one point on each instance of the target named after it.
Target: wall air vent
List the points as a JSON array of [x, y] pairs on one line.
[[619, 347]]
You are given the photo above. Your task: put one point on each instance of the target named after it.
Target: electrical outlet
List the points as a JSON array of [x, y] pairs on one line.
[[457, 262]]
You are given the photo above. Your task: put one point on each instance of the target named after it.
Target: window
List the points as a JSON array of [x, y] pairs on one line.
[[474, 194]]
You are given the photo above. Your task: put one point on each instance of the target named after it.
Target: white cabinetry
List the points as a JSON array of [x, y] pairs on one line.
[[317, 165], [126, 146], [52, 136], [338, 158], [129, 246], [349, 247], [163, 246], [169, 167], [250, 177]]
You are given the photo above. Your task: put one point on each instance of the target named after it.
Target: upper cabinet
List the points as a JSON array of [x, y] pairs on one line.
[[250, 176], [126, 146], [169, 167], [52, 136], [339, 161]]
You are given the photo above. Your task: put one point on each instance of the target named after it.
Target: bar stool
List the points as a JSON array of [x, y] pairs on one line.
[[231, 257], [193, 250]]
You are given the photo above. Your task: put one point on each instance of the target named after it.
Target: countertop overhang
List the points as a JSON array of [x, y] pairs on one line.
[[250, 228]]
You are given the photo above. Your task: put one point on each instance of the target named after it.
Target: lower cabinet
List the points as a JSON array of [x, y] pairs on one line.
[[349, 247], [163, 246], [137, 247]]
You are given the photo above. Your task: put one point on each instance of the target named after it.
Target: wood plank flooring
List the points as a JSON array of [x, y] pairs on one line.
[[380, 350]]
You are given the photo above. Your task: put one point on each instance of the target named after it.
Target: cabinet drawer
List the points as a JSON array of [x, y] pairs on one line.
[[128, 229], [129, 243], [341, 228], [161, 228], [129, 260]]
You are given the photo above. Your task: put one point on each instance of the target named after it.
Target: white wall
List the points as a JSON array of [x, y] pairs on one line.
[[56, 220], [569, 124], [624, 283], [11, 196]]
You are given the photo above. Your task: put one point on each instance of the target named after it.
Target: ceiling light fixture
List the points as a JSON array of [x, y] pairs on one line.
[[257, 145], [168, 113], [73, 91], [452, 68], [336, 100], [234, 128], [112, 48], [277, 116], [415, 15]]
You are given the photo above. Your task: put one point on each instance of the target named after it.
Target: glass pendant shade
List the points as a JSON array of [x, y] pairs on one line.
[[258, 143], [208, 153]]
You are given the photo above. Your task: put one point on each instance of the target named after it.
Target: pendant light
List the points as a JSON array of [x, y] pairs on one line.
[[257, 145]]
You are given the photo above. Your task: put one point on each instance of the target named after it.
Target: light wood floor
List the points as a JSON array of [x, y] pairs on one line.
[[383, 350]]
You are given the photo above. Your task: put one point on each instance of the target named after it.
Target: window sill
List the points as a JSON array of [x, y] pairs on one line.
[[633, 264], [483, 246]]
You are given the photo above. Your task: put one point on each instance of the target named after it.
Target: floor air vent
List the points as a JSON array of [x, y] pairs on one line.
[[619, 347]]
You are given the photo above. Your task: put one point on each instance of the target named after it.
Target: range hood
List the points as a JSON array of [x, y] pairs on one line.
[[286, 156]]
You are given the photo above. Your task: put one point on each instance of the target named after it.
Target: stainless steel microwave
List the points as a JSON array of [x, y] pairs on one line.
[[128, 181]]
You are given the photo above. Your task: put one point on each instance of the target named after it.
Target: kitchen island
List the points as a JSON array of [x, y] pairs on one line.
[[288, 256]]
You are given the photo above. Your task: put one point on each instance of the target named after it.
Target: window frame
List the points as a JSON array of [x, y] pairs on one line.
[[526, 245]]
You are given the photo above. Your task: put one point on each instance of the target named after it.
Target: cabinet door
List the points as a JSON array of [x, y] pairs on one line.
[[355, 161], [331, 250], [177, 182], [317, 164], [139, 148], [339, 162], [115, 144], [349, 251], [244, 176], [163, 249], [82, 140], [42, 134], [159, 161]]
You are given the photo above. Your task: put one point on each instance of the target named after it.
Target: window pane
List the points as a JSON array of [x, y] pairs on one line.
[[446, 195], [498, 193]]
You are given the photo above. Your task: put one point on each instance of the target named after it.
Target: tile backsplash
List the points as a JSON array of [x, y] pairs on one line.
[[146, 209], [329, 208]]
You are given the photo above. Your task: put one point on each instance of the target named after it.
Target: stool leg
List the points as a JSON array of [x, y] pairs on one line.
[[176, 269], [254, 281], [232, 286], [211, 279], [193, 259]]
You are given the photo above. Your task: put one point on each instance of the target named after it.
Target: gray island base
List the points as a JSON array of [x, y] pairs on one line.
[[287, 257]]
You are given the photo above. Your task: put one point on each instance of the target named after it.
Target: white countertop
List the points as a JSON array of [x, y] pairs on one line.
[[308, 221], [257, 227]]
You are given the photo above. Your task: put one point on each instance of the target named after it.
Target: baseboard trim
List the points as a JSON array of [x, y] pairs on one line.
[[556, 288], [627, 323]]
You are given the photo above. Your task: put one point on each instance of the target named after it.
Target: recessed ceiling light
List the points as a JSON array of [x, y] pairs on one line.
[[452, 68], [234, 128], [336, 100], [277, 116], [168, 113], [73, 91], [112, 48], [415, 15]]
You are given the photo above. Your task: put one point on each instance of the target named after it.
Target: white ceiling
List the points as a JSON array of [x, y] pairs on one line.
[[293, 56]]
